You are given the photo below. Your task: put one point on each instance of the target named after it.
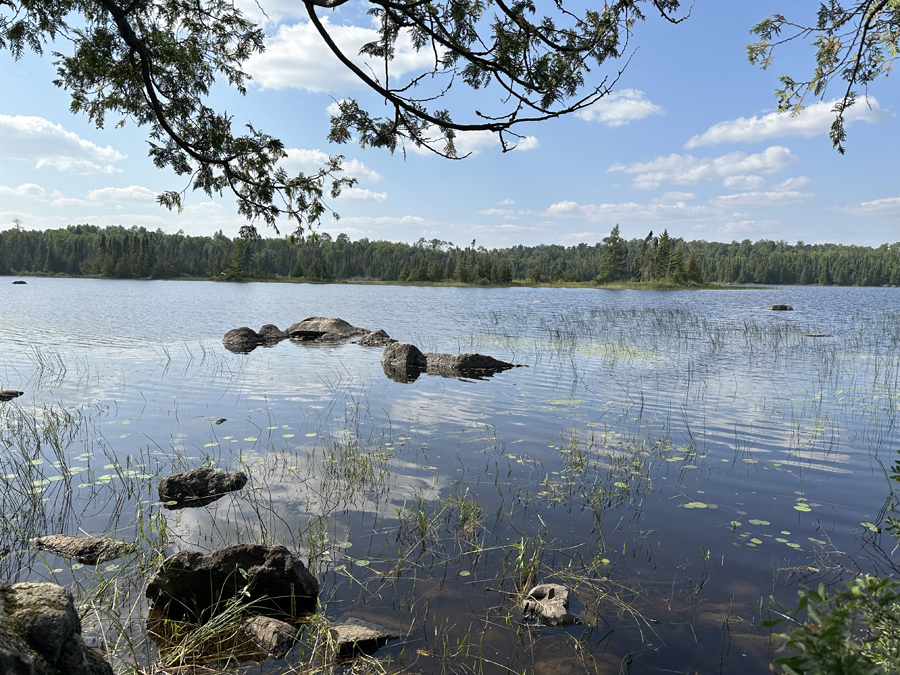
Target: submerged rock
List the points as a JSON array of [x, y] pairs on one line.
[[18, 282], [10, 394], [780, 308], [378, 338], [270, 635], [191, 584], [272, 333], [86, 550], [40, 633], [198, 487], [217, 420], [242, 340], [549, 604], [353, 635], [320, 329], [452, 365]]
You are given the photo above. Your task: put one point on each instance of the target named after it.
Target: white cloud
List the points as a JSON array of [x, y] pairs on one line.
[[133, 193], [48, 144], [577, 237], [744, 182], [747, 226], [792, 183], [25, 190], [496, 212], [505, 202], [619, 108], [813, 120], [312, 160], [686, 169], [761, 199], [386, 220], [296, 58], [887, 206], [631, 210], [360, 194]]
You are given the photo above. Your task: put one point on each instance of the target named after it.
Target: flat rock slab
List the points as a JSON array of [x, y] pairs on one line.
[[40, 633], [321, 329], [780, 308], [549, 604], [86, 550], [10, 394], [464, 363], [198, 487], [359, 635], [191, 584], [270, 635]]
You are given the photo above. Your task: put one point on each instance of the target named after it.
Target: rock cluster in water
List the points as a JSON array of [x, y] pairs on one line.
[[314, 329]]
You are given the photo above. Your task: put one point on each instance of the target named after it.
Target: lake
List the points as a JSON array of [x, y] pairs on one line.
[[678, 459]]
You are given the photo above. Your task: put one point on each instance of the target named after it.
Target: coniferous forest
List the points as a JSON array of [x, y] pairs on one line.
[[137, 253]]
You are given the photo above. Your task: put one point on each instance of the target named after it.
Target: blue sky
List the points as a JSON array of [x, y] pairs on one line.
[[687, 141]]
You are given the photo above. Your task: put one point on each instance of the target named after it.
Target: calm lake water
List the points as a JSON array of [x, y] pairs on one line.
[[677, 458]]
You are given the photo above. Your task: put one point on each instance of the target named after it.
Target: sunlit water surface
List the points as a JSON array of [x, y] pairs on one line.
[[677, 458]]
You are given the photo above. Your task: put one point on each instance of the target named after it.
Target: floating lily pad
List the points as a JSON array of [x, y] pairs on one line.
[[757, 521], [464, 573], [695, 505], [310, 435], [802, 507], [210, 445], [756, 541], [287, 435], [251, 439]]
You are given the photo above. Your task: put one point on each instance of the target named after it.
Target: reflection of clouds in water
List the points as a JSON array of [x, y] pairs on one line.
[[287, 490]]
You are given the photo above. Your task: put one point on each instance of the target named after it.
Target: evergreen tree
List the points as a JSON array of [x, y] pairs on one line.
[[693, 270], [614, 259]]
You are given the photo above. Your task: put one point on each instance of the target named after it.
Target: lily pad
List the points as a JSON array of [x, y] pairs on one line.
[[757, 521], [695, 505]]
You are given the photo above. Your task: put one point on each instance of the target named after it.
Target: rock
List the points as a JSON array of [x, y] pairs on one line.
[[378, 338], [355, 634], [191, 584], [86, 550], [242, 340], [272, 333], [40, 633], [403, 355], [10, 394], [456, 364], [781, 308], [217, 420], [270, 635], [321, 329], [549, 604], [198, 487], [19, 281]]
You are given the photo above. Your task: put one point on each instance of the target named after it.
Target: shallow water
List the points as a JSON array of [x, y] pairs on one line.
[[676, 457]]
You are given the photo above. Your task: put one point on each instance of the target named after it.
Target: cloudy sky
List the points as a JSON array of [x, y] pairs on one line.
[[688, 141]]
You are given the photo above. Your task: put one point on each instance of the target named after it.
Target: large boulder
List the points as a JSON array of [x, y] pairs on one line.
[[403, 355], [377, 338], [191, 584], [549, 604], [40, 633], [198, 487], [242, 340], [86, 550], [320, 329]]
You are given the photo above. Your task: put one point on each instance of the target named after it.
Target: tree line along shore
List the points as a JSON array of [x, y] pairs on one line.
[[138, 253]]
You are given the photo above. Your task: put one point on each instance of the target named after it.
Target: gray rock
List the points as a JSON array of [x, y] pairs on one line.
[[242, 340], [378, 338], [402, 355], [191, 584], [320, 329], [272, 333], [549, 604], [198, 487], [455, 364], [10, 394], [86, 550], [217, 420], [354, 634], [781, 308], [270, 635], [19, 282], [40, 633]]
